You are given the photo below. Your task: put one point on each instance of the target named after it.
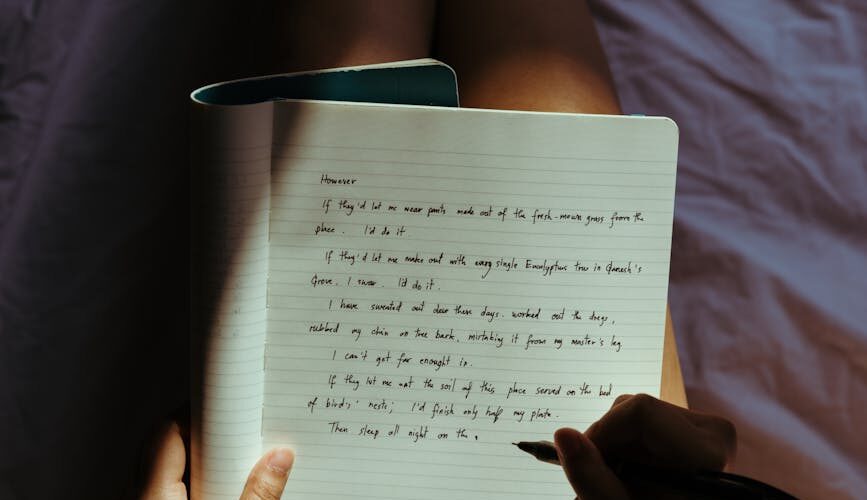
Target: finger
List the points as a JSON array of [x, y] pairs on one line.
[[621, 398], [585, 469], [645, 429], [718, 426], [165, 479], [268, 477]]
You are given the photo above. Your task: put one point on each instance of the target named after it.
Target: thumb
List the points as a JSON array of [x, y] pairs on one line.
[[268, 477], [167, 462], [585, 468]]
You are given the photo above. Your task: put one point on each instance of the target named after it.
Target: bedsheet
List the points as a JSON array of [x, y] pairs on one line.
[[768, 265], [768, 287]]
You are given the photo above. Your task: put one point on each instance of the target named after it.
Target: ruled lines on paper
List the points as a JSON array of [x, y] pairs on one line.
[[430, 305], [233, 182]]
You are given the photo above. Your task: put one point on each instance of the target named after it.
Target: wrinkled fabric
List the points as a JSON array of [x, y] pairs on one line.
[[768, 286], [93, 232], [768, 260]]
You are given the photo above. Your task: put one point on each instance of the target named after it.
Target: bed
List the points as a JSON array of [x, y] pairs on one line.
[[769, 255]]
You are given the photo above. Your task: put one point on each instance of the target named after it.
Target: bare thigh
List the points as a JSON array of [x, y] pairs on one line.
[[320, 34], [508, 54], [514, 54]]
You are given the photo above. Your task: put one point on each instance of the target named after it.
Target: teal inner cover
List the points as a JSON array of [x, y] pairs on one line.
[[429, 84]]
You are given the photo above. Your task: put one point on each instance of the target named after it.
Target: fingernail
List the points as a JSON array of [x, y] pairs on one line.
[[568, 442], [281, 460]]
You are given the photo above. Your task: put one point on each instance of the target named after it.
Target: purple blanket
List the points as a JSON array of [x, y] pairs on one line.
[[769, 260]]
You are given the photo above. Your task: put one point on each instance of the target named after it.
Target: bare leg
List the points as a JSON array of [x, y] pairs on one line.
[[512, 54], [334, 33]]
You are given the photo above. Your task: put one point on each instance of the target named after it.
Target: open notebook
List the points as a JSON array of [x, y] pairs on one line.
[[399, 292]]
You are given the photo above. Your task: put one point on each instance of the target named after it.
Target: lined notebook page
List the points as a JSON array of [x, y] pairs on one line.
[[234, 178], [444, 282]]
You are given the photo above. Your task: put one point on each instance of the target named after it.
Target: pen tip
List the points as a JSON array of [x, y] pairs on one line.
[[525, 446]]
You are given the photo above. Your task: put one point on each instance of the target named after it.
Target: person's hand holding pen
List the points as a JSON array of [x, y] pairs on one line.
[[644, 431]]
